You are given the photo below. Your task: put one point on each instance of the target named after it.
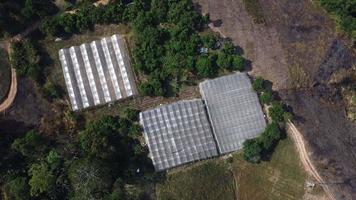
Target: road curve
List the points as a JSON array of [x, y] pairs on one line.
[[305, 158], [12, 92]]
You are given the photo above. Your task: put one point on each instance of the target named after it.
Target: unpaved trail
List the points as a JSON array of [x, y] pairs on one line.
[[305, 159], [12, 92], [13, 87]]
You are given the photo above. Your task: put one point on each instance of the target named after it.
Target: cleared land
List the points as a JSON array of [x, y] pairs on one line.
[[209, 181], [5, 74], [282, 178]]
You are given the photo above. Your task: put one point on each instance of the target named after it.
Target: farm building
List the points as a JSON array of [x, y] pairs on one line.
[[97, 73], [234, 110], [178, 133], [187, 131]]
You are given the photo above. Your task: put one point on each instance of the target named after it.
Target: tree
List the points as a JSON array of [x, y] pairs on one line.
[[258, 84], [90, 179], [30, 145], [209, 41], [266, 97], [270, 136], [252, 150], [238, 63], [18, 188], [132, 114], [103, 139], [224, 61], [276, 112], [53, 159], [42, 179], [205, 68]]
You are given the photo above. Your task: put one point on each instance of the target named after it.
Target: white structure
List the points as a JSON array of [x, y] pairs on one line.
[[97, 73]]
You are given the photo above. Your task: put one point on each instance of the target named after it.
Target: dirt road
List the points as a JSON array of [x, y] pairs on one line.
[[305, 159], [12, 92], [13, 88]]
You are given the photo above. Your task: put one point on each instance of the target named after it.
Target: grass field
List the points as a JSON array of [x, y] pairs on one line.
[[5, 74], [211, 180], [282, 178]]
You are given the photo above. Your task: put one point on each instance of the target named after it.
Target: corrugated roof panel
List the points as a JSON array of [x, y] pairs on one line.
[[178, 133], [234, 110]]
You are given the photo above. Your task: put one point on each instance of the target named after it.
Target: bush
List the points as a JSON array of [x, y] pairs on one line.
[[30, 145], [42, 180], [266, 97], [132, 114], [52, 91], [252, 150], [18, 188], [276, 112], [205, 67], [238, 63], [258, 84]]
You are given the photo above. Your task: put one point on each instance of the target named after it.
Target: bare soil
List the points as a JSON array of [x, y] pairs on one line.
[[298, 50]]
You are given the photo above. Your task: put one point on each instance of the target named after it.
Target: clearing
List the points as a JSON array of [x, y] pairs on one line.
[[281, 178]]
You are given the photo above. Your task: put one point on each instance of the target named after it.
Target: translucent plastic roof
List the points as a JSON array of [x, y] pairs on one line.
[[234, 110], [97, 73], [178, 133]]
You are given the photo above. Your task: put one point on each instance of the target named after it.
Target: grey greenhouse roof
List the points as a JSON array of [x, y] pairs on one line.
[[97, 73], [178, 133], [234, 110]]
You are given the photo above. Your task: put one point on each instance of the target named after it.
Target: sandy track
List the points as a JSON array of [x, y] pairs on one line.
[[12, 92], [305, 159], [13, 88]]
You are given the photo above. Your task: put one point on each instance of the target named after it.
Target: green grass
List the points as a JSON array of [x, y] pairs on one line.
[[5, 74], [211, 180], [254, 9], [281, 178]]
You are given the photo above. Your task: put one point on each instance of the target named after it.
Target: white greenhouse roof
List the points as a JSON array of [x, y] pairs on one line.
[[234, 110], [178, 133], [97, 73]]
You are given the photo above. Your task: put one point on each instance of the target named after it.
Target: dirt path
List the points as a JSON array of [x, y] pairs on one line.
[[13, 87], [305, 159], [12, 92]]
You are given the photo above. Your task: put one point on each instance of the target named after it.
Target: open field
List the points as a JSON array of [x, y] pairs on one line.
[[211, 180], [5, 74], [282, 178]]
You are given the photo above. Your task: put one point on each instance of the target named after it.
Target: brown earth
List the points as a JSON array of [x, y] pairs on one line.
[[298, 50]]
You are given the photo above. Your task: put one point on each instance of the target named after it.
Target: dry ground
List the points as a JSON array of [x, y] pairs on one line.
[[298, 49]]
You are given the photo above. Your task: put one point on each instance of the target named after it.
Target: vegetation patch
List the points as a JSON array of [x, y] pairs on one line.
[[209, 181], [344, 14], [255, 11], [280, 178], [5, 74]]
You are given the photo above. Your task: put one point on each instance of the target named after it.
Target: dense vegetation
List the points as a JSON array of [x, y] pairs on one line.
[[262, 147], [24, 58], [16, 15], [170, 49], [105, 156], [344, 12]]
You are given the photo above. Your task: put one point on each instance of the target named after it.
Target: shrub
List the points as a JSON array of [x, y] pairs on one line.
[[258, 84], [252, 150], [276, 112], [266, 97]]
